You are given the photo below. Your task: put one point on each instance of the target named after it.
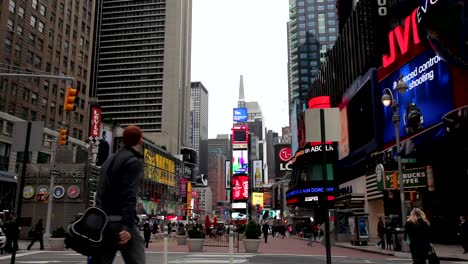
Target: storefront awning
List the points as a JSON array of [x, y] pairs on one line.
[[6, 176]]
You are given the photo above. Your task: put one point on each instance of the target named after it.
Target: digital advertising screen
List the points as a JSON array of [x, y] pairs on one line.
[[428, 98], [240, 162], [240, 188], [227, 174], [257, 173], [257, 199], [240, 115]]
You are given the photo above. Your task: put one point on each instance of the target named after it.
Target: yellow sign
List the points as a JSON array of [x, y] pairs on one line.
[[257, 199], [159, 169], [189, 199]]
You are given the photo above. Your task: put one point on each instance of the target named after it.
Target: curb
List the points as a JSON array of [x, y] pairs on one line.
[[398, 253]]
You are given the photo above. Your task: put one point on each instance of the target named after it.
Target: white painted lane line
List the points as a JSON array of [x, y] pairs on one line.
[[196, 260], [21, 254]]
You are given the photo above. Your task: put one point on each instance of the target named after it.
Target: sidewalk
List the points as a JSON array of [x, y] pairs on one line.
[[445, 252]]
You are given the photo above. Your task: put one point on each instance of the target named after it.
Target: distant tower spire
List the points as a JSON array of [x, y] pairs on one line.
[[241, 102]]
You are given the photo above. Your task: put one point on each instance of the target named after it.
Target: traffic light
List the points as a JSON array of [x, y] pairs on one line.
[[395, 180], [63, 136], [71, 98]]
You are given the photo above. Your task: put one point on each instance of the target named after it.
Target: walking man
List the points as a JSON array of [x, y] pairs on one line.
[[119, 184], [265, 229], [463, 233], [381, 233], [37, 235]]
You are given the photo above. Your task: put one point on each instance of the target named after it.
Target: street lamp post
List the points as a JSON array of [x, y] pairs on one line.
[[387, 100]]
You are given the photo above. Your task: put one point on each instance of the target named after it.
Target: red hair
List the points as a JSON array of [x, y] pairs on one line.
[[131, 136]]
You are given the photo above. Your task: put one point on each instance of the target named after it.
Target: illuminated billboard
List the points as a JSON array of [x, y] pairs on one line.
[[227, 174], [257, 199], [257, 173], [240, 188], [239, 114], [428, 98], [240, 162]]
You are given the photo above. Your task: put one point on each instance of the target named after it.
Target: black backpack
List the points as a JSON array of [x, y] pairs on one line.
[[85, 234]]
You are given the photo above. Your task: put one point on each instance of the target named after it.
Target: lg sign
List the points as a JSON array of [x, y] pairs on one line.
[[285, 154]]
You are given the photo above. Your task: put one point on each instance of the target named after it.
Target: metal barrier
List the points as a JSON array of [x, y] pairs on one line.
[[221, 240]]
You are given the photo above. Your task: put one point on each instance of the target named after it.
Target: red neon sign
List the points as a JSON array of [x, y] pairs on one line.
[[292, 201], [402, 37]]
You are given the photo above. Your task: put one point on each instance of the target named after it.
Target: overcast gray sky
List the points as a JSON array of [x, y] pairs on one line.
[[241, 37]]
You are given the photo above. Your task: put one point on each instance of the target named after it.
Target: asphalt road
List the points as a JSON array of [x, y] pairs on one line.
[[68, 257]]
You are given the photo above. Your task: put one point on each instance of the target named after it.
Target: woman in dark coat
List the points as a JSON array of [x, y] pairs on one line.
[[417, 235]]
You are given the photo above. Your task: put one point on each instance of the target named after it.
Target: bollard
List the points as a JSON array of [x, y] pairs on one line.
[[165, 245], [231, 245]]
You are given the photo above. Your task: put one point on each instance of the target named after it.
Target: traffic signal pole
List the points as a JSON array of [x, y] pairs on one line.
[[69, 105], [325, 186], [26, 152]]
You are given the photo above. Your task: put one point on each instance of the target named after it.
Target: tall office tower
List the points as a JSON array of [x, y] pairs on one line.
[[271, 139], [286, 135], [199, 119], [255, 122], [216, 181], [222, 143], [46, 38], [312, 31], [143, 67]]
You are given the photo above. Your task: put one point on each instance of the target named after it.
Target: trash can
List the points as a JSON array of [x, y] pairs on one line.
[[399, 243]]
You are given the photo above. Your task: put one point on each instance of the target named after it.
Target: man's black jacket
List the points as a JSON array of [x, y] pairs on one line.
[[119, 185]]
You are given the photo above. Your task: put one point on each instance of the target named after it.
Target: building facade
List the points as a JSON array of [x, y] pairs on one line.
[[205, 205], [199, 120], [271, 140], [143, 70], [216, 166], [45, 38]]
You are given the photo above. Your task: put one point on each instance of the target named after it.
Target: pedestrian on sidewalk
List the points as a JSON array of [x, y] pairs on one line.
[[463, 233], [119, 184], [265, 229], [147, 233], [36, 234], [417, 230], [12, 234], [381, 233]]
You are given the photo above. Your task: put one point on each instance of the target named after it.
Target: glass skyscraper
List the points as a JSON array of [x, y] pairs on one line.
[[312, 31]]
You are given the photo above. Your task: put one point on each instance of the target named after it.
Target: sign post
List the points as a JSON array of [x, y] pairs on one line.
[[329, 119]]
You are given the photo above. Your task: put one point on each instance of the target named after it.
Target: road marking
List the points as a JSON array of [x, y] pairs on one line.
[[21, 254], [196, 260], [39, 261], [219, 255]]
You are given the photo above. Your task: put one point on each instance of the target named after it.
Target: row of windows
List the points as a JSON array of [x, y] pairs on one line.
[[134, 27], [312, 8], [153, 84], [131, 38], [134, 31], [125, 17], [129, 3], [132, 22], [131, 103]]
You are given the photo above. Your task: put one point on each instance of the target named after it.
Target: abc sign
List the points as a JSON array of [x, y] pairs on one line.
[[284, 167]]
